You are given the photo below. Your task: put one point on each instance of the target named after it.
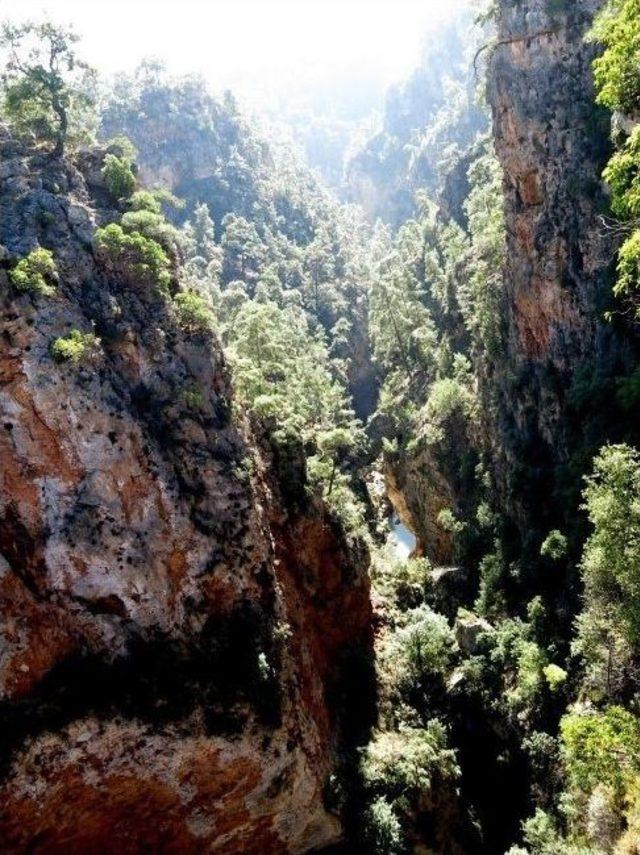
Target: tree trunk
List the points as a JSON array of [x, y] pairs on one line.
[[63, 126], [331, 479]]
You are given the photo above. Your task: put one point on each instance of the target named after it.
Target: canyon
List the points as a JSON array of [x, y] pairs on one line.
[[209, 642]]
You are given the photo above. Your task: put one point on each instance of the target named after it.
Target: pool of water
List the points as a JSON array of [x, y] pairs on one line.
[[401, 539]]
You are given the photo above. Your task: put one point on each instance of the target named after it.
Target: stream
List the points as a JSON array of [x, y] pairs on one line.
[[402, 540]]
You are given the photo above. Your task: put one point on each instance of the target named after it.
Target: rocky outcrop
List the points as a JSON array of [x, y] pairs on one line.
[[188, 142], [173, 623], [552, 142], [419, 490], [546, 138]]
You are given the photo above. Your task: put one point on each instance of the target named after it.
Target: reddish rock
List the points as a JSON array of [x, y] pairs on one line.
[[173, 635]]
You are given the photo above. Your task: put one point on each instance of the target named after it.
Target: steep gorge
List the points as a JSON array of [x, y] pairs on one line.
[[188, 630]]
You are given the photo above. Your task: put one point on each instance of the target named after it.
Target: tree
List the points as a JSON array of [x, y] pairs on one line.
[[611, 561], [617, 78], [617, 71], [201, 234], [401, 326], [319, 257], [244, 252], [480, 291], [600, 748], [334, 444], [284, 373], [47, 89], [609, 627]]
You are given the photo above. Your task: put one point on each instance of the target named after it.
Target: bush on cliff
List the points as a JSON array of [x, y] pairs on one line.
[[36, 273], [118, 176], [138, 259], [193, 312], [75, 347]]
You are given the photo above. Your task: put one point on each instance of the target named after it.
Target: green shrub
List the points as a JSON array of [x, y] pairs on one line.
[[283, 372], [490, 601], [145, 200], [449, 399], [554, 545], [403, 584], [617, 71], [153, 226], [36, 273], [382, 829], [555, 676], [118, 176], [481, 285], [520, 664], [530, 663], [541, 835], [622, 174], [404, 764], [629, 268], [601, 748], [123, 148], [193, 397], [153, 200], [628, 390], [74, 347], [542, 750], [611, 558], [448, 521], [139, 259], [420, 651], [193, 312], [617, 76]]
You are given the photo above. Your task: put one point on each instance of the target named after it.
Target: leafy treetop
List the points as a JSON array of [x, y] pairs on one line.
[[47, 90]]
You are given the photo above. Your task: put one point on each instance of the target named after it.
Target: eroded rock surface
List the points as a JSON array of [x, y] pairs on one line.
[[561, 353], [419, 491], [171, 626], [551, 150]]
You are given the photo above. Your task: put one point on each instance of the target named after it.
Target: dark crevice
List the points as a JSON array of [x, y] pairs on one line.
[[159, 682]]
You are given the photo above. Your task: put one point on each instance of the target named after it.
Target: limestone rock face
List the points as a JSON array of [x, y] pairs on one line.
[[561, 354], [418, 490], [171, 627], [546, 137], [468, 630]]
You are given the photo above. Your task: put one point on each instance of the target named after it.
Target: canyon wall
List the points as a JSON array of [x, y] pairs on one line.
[[179, 637], [557, 378]]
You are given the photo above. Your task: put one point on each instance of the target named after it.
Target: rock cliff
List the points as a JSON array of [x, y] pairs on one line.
[[178, 635], [551, 150], [561, 355]]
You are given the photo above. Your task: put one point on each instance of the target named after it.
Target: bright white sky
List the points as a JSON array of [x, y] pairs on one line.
[[246, 44]]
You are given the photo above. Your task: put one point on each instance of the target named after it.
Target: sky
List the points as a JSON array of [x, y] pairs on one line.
[[249, 46]]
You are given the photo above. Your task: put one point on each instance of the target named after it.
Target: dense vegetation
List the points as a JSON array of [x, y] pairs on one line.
[[507, 704]]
